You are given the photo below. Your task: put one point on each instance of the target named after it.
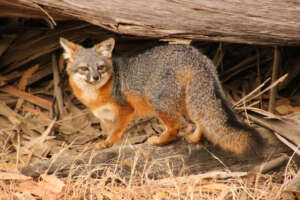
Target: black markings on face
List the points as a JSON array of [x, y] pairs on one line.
[[83, 69], [101, 68]]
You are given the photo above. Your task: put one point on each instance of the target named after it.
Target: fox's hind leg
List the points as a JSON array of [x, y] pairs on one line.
[[195, 137], [172, 124]]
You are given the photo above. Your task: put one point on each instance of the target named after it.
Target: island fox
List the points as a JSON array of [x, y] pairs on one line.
[[168, 81]]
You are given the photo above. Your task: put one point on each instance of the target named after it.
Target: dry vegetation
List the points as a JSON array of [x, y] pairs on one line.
[[38, 121]]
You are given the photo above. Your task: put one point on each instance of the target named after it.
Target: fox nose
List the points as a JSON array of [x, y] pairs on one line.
[[96, 78]]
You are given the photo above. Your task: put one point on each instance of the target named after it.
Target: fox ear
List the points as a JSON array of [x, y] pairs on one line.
[[106, 47], [69, 47]]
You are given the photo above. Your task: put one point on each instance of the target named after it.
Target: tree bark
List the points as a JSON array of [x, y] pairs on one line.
[[266, 22]]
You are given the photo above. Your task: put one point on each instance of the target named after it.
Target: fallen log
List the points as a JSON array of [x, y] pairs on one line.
[[146, 161], [253, 22]]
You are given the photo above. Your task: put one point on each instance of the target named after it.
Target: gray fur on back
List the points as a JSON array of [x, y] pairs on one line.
[[153, 74]]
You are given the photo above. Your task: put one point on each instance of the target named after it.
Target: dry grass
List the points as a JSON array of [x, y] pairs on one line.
[[111, 186], [210, 186]]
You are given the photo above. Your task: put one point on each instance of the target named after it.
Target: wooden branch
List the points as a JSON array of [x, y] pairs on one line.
[[252, 22], [27, 96], [178, 158], [268, 166], [275, 69]]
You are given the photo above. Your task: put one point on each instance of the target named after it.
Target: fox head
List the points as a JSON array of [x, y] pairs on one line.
[[89, 65]]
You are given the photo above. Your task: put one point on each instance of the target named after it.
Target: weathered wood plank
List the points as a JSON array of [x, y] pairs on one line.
[[253, 22]]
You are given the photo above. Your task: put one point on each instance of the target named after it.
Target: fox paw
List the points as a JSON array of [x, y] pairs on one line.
[[191, 138], [153, 140], [103, 144]]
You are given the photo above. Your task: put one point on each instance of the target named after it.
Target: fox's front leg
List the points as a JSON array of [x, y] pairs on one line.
[[123, 115]]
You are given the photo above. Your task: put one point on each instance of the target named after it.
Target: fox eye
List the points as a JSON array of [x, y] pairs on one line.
[[84, 69], [100, 67]]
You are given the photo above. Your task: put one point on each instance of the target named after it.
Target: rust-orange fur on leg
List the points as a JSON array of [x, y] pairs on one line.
[[125, 114], [172, 124]]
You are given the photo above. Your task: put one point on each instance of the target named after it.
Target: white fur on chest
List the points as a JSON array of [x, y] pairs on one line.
[[105, 113]]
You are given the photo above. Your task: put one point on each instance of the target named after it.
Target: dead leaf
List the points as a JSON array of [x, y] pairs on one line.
[[53, 183], [284, 109], [39, 189], [283, 106], [161, 195], [283, 101]]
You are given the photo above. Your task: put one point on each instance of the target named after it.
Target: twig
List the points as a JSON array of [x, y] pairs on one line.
[[218, 159], [259, 73], [45, 136], [58, 93], [239, 70], [268, 88], [273, 92], [289, 144], [176, 41], [217, 174], [267, 166], [240, 65], [251, 93], [51, 20], [218, 58]]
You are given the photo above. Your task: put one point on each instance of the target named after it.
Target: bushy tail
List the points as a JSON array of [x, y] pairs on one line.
[[228, 131], [207, 107], [237, 138]]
